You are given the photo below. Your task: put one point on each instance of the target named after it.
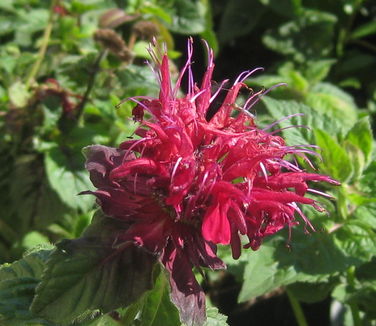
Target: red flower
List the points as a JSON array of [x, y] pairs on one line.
[[187, 184]]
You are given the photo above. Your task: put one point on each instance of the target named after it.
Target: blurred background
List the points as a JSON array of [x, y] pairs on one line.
[[65, 65]]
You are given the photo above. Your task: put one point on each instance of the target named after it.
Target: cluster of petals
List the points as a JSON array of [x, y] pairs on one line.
[[188, 183]]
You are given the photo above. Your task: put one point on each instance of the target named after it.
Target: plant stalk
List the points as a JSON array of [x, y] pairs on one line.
[[297, 309], [93, 73], [43, 48], [353, 305]]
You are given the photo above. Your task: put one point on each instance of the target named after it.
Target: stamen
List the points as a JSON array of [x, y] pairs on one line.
[[246, 105], [288, 165], [193, 99], [293, 126], [280, 120], [175, 168], [133, 99], [182, 72], [264, 93], [320, 193], [246, 74], [135, 182], [263, 169], [305, 219], [218, 90], [133, 146]]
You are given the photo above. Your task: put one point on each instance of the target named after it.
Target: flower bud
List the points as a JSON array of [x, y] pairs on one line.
[[145, 30]]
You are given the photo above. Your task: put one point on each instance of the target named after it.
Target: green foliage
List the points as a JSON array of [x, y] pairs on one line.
[[91, 273], [18, 282], [67, 176], [59, 87]]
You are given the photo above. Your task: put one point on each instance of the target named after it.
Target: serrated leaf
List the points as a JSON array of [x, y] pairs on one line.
[[313, 259], [356, 239], [214, 318], [17, 287], [281, 109], [357, 159], [328, 99], [157, 308], [317, 70], [336, 161], [360, 135], [139, 80], [40, 205], [15, 298], [90, 273], [67, 176], [31, 265]]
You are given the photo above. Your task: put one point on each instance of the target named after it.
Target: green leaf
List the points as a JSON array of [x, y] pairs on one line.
[[313, 258], [105, 320], [31, 265], [29, 22], [17, 287], [311, 292], [280, 109], [40, 205], [33, 239], [239, 18], [367, 182], [366, 29], [52, 110], [93, 273], [67, 176], [309, 36], [356, 239], [357, 159], [360, 135], [188, 17], [157, 308], [318, 70], [18, 94], [328, 99], [140, 49], [336, 161], [157, 11], [139, 80], [214, 318]]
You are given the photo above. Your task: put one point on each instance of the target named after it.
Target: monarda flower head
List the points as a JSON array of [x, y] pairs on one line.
[[188, 183]]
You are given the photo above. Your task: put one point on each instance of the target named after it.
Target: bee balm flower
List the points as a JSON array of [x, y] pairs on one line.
[[189, 183]]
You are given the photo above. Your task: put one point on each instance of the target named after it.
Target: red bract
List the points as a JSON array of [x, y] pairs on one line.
[[187, 184]]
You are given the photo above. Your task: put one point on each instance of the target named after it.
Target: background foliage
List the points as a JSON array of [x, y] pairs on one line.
[[64, 67]]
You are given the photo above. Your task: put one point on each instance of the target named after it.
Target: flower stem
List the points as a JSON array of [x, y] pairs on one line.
[[297, 309], [93, 73], [43, 48], [353, 305]]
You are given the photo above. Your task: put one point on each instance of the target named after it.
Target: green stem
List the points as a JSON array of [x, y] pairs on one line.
[[345, 31], [353, 305], [365, 44], [43, 48], [93, 73], [297, 309]]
